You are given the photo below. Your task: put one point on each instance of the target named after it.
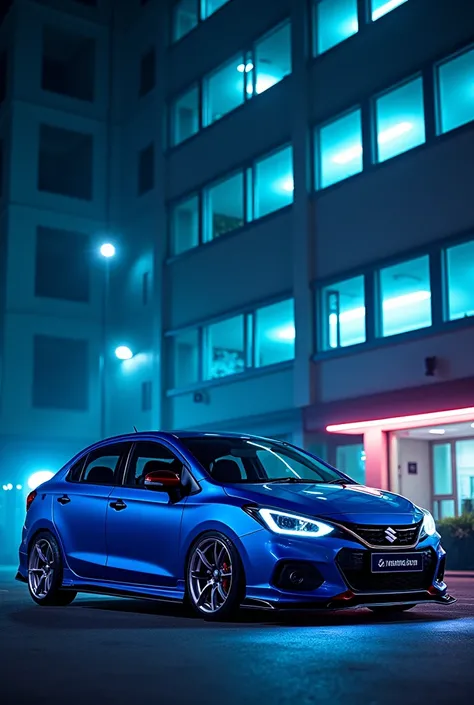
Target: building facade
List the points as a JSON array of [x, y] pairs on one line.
[[288, 186]]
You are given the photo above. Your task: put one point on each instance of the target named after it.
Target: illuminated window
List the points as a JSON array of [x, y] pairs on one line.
[[460, 270], [380, 8], [272, 60], [400, 120], [343, 313], [339, 149], [275, 333], [185, 226], [185, 116], [185, 18], [224, 348], [456, 91], [208, 7], [186, 358], [405, 296], [224, 207], [224, 90], [273, 188], [334, 21]]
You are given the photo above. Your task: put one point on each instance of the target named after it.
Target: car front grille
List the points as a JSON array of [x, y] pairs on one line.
[[386, 535], [355, 567]]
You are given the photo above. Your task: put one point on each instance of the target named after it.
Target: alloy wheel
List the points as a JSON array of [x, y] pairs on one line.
[[210, 575], [41, 568]]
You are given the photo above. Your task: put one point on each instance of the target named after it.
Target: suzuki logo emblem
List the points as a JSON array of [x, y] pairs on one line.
[[390, 534]]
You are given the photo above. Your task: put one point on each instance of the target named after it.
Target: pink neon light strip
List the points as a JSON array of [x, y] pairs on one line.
[[401, 420]]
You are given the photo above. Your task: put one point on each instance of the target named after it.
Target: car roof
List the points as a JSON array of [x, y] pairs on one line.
[[176, 435]]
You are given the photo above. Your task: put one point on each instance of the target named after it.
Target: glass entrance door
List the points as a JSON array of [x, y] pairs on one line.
[[465, 475], [453, 478]]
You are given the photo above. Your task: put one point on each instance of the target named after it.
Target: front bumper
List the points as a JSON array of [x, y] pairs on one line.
[[345, 578]]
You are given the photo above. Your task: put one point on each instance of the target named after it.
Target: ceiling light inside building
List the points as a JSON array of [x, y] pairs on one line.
[[123, 352], [264, 82], [437, 431], [287, 184], [245, 67], [284, 333], [353, 314], [385, 136]]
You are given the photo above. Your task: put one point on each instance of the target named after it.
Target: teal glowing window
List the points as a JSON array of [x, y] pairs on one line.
[[405, 296], [185, 116], [224, 207], [379, 8], [272, 60], [275, 333], [334, 21], [224, 90], [400, 120], [273, 187], [339, 149], [456, 91], [185, 226], [224, 348], [460, 271], [185, 18], [208, 7], [343, 313]]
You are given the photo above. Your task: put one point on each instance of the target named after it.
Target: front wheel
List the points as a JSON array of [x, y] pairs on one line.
[[45, 571], [391, 609], [215, 577]]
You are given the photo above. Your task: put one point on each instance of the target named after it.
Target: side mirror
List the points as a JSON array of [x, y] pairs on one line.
[[162, 480]]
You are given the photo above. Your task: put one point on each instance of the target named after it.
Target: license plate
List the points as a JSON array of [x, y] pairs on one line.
[[397, 562]]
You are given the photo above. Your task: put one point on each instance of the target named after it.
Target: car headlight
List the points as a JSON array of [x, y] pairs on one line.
[[428, 526], [289, 524]]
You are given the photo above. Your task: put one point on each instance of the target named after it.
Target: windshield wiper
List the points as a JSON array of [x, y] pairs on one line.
[[291, 479], [338, 481]]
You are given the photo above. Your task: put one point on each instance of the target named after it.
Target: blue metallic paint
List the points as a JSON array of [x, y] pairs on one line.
[[143, 550]]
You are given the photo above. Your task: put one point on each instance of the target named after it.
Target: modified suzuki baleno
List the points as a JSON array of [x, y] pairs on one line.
[[222, 521]]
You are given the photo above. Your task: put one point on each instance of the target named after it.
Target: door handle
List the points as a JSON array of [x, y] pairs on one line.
[[118, 505], [64, 499]]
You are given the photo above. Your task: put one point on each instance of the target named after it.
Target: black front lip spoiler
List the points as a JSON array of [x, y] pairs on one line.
[[354, 601]]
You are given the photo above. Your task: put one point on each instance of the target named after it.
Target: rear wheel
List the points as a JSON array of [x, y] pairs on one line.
[[45, 572], [391, 609], [215, 577]]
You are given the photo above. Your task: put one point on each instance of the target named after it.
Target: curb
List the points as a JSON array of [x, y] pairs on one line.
[[460, 573]]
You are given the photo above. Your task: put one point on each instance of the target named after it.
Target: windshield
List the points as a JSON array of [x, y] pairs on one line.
[[245, 460]]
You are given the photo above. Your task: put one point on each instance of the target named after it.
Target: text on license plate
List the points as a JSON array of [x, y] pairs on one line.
[[396, 562]]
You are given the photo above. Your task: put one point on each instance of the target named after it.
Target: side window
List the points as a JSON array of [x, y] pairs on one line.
[[147, 457], [103, 465], [74, 474]]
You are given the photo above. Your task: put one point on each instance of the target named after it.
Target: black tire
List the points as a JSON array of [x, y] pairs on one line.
[[53, 596], [236, 588], [391, 609]]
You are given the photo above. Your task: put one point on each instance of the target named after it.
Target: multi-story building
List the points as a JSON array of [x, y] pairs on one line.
[[289, 188]]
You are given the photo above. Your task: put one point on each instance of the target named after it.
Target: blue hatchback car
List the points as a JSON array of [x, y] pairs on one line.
[[222, 521]]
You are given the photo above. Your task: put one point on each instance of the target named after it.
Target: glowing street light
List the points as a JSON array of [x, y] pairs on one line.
[[38, 478], [123, 352], [19, 487], [107, 250]]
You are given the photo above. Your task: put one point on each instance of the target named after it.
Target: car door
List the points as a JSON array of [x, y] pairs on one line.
[[80, 508], [143, 525]]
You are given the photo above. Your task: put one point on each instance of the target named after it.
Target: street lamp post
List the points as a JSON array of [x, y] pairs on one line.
[[107, 251]]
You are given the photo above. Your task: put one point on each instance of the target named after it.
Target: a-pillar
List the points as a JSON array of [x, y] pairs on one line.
[[376, 458]]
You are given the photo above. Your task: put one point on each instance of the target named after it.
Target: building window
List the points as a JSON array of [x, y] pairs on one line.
[[185, 226], [379, 8], [147, 72], [455, 91], [185, 116], [60, 373], [146, 170], [275, 333], [224, 90], [405, 295], [272, 60], [68, 64], [62, 265], [185, 18], [185, 358], [343, 313], [339, 149], [400, 120], [224, 207], [224, 348], [146, 396], [59, 149], [460, 271], [334, 21], [273, 187], [208, 7]]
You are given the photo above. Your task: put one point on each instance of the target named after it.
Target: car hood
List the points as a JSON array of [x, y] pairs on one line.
[[351, 503]]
